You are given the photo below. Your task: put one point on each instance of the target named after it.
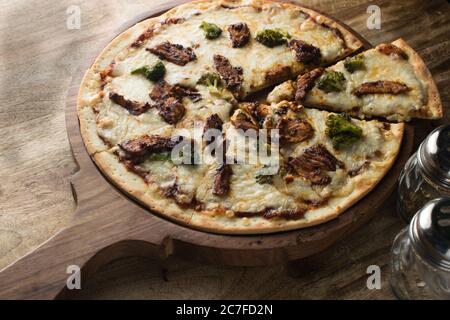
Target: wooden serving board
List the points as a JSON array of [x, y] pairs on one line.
[[108, 225]]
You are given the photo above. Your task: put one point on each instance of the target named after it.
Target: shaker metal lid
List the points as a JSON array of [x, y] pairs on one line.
[[434, 155], [430, 232]]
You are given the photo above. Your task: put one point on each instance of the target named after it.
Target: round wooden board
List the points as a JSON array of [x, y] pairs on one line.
[[108, 225]]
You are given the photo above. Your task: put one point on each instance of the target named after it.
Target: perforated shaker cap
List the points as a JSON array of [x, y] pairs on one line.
[[434, 156], [430, 232]]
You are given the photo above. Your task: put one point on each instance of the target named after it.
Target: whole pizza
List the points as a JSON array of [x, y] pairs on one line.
[[249, 116]]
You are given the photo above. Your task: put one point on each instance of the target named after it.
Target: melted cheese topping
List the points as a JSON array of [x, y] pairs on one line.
[[122, 126], [284, 91], [246, 195], [254, 58], [115, 124], [378, 66]]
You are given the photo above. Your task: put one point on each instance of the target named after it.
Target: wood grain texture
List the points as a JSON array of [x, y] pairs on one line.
[[37, 61]]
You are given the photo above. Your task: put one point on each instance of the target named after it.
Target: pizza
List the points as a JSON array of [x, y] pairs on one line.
[[389, 81], [169, 114]]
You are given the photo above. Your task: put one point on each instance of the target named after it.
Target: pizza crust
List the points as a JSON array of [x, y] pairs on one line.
[[148, 195], [433, 108], [352, 43], [422, 101]]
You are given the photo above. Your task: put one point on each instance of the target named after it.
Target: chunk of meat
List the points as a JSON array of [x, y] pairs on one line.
[[239, 34], [243, 121], [173, 20], [174, 53], [286, 214], [304, 52], [143, 37], [296, 130], [222, 177], [390, 49], [233, 76], [135, 108], [191, 93], [278, 74], [161, 90], [168, 100], [306, 82], [257, 110], [171, 110], [314, 163], [378, 87], [136, 149], [213, 122]]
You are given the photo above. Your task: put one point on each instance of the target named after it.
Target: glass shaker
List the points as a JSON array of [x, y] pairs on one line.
[[426, 175], [420, 260]]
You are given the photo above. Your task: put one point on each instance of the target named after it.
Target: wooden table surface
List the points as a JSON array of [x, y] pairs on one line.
[[39, 55]]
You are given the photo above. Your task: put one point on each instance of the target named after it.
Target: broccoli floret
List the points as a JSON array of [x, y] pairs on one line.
[[153, 73], [272, 37], [331, 81], [353, 64], [342, 131], [211, 30], [213, 81], [210, 79]]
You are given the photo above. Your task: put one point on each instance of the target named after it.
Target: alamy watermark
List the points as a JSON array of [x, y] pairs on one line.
[[73, 21], [234, 146], [73, 282], [374, 20], [374, 280]]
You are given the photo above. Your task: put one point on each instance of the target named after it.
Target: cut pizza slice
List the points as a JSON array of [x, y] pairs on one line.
[[328, 161], [249, 44], [389, 81]]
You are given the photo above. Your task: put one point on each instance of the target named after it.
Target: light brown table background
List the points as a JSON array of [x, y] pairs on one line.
[[39, 55]]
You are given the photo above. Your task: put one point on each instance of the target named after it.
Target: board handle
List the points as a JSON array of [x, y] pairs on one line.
[[45, 272]]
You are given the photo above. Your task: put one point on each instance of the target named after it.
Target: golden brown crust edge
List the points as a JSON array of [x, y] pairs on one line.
[[434, 105]]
